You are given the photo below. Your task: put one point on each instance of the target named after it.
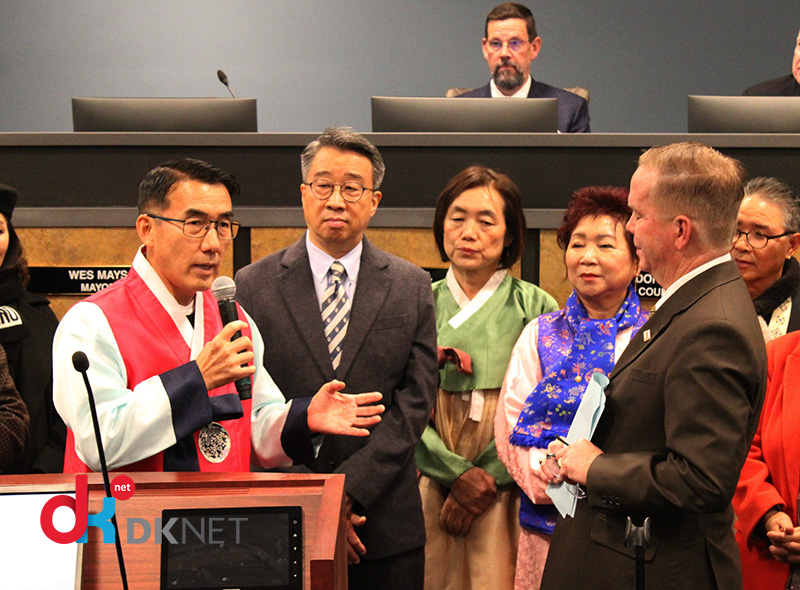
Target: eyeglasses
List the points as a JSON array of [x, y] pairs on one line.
[[350, 191], [198, 227], [514, 45], [756, 239]]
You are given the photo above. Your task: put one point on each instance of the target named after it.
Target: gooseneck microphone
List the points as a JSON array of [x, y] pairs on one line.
[[224, 290], [224, 79], [81, 364]]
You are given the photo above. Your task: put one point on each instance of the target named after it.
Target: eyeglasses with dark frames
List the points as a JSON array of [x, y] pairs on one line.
[[755, 239], [198, 227]]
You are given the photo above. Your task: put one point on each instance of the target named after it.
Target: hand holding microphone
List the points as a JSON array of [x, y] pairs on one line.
[[224, 360], [229, 356]]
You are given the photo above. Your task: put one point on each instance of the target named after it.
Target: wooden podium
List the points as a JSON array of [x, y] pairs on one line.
[[320, 496]]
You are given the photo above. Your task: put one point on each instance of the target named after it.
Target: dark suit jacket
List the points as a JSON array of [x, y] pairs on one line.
[[573, 112], [390, 346], [682, 407], [783, 86]]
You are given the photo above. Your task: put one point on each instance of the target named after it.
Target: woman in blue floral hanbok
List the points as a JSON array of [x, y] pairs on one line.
[[556, 354]]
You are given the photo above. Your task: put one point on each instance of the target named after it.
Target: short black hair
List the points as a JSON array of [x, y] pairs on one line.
[[155, 186]]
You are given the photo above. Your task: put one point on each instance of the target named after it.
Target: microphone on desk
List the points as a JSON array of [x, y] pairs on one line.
[[81, 364], [224, 290], [224, 79]]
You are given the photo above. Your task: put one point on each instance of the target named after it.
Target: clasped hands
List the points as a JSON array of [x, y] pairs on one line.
[[223, 361], [568, 463], [471, 494], [475, 488], [784, 537]]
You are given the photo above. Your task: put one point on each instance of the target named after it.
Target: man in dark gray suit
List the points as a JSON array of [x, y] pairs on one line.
[[509, 46], [333, 306], [684, 398]]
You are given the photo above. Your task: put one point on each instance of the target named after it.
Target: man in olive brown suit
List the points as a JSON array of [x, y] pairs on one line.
[[684, 398]]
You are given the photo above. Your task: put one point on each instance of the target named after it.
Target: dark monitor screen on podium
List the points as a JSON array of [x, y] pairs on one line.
[[231, 115], [744, 114], [464, 115], [258, 548]]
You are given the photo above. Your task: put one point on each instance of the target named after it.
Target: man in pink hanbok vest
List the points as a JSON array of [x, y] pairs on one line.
[[162, 364]]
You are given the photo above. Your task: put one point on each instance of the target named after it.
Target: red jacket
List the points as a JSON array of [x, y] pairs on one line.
[[771, 473]]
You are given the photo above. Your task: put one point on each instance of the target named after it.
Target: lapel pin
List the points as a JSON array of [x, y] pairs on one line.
[[646, 335]]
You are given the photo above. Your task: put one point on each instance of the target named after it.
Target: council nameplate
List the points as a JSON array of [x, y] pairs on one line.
[[647, 287], [74, 280]]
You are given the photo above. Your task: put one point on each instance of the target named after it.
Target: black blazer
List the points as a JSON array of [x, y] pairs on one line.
[[390, 346], [573, 112], [682, 408]]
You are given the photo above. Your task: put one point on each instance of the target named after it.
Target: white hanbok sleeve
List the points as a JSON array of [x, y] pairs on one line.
[[134, 424], [523, 374]]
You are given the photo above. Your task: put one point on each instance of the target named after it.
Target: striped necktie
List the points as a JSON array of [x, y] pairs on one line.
[[335, 311]]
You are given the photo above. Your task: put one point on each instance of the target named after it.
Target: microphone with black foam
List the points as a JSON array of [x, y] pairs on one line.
[[81, 364], [224, 290], [224, 79]]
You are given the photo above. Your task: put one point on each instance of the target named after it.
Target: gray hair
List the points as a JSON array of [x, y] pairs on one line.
[[346, 140], [779, 194]]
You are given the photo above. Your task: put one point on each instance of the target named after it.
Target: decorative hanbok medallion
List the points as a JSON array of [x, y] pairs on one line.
[[214, 442]]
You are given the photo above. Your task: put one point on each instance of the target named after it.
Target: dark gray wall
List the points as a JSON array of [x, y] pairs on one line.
[[311, 63]]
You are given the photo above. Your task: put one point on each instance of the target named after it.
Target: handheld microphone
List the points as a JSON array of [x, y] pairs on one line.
[[224, 290], [81, 364], [224, 79]]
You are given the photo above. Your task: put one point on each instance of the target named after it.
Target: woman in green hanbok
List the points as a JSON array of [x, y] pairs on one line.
[[469, 500]]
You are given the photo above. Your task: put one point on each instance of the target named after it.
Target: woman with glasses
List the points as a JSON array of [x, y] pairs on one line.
[[766, 497], [469, 501], [767, 236], [27, 327], [555, 356]]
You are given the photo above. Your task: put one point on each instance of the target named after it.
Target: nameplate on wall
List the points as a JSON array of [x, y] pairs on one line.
[[73, 280], [647, 287]]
